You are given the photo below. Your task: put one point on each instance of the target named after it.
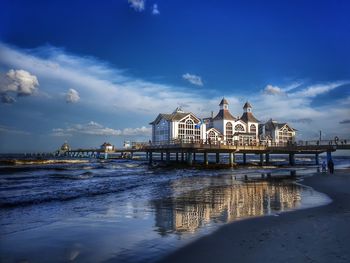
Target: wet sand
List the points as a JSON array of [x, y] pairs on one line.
[[320, 234]]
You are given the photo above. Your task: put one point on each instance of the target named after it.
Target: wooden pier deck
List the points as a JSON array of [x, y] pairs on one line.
[[186, 151]]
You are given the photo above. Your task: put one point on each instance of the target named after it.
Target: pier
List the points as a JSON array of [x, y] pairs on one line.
[[189, 151]]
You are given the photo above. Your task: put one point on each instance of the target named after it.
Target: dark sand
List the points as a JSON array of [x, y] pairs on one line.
[[320, 234]]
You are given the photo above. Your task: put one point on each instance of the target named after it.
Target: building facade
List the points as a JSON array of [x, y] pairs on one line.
[[178, 125], [224, 128], [273, 132]]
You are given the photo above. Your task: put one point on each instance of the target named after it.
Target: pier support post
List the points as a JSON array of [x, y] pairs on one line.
[[267, 158], [161, 156], [291, 159], [244, 158], [261, 159], [131, 155], [317, 162], [194, 157], [150, 157], [189, 158], [206, 158], [182, 157], [167, 157], [329, 156], [177, 157], [217, 157], [231, 158], [146, 155]]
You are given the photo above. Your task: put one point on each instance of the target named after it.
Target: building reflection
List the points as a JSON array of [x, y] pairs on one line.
[[193, 209]]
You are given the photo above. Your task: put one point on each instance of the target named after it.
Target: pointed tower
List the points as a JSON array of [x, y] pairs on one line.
[[247, 107], [248, 114], [223, 104], [223, 121]]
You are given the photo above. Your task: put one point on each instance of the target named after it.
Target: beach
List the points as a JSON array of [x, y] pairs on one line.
[[320, 234]]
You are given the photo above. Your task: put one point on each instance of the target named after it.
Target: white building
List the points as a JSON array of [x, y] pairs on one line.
[[178, 125], [107, 147], [224, 128], [277, 133]]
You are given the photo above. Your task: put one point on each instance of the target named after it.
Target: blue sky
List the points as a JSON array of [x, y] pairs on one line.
[[87, 72]]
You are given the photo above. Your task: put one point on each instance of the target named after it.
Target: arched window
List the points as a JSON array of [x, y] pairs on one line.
[[239, 127], [188, 131], [253, 128], [229, 132]]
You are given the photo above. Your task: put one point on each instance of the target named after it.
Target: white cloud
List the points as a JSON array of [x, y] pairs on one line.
[[96, 129], [106, 88], [273, 90], [155, 10], [297, 108], [18, 82], [72, 96], [193, 79], [138, 5], [318, 89], [113, 91]]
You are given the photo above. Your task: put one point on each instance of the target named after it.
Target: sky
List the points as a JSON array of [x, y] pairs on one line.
[[86, 72]]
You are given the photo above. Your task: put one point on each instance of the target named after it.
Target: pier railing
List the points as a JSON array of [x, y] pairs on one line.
[[207, 144]]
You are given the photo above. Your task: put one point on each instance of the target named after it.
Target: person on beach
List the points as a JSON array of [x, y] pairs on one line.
[[330, 166], [324, 166]]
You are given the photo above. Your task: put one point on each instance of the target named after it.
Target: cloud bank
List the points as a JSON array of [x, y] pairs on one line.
[[96, 129], [107, 90]]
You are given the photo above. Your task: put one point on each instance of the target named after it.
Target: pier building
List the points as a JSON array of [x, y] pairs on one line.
[[224, 128]]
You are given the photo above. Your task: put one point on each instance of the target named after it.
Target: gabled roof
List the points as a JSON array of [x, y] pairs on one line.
[[214, 130], [276, 125], [223, 101], [248, 116], [175, 116], [224, 115]]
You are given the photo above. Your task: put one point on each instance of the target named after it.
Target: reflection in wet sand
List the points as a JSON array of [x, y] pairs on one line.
[[239, 200]]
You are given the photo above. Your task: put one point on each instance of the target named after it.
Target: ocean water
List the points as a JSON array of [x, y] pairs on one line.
[[127, 211]]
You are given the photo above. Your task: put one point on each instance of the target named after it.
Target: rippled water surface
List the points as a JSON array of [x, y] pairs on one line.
[[126, 211]]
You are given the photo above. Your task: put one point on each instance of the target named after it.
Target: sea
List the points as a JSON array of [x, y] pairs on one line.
[[122, 210]]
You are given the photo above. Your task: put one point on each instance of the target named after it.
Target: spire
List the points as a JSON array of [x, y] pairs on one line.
[[224, 113], [178, 110], [223, 104], [247, 107], [223, 101]]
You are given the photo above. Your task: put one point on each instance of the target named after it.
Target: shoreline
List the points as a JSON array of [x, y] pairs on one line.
[[318, 234]]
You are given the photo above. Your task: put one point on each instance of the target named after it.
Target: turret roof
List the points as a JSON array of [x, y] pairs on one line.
[[247, 105], [248, 116], [223, 101]]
